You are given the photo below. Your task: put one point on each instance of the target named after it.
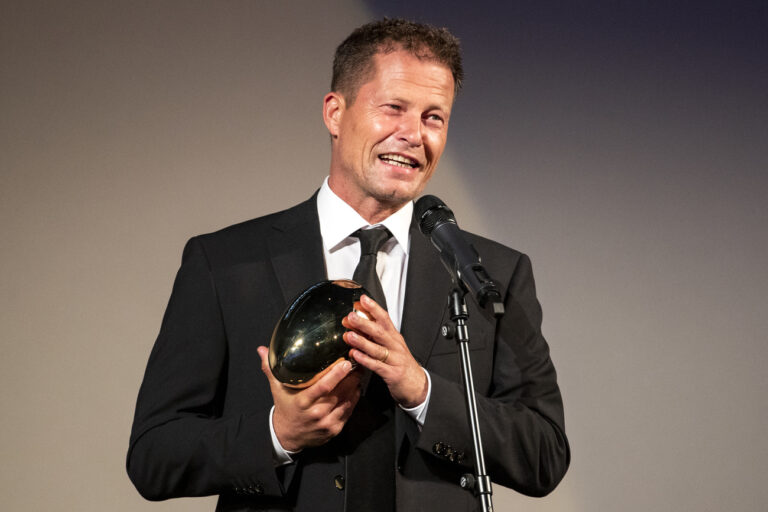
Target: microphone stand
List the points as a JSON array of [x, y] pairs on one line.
[[480, 483]]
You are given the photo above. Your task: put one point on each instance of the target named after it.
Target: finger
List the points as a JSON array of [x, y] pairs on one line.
[[357, 307], [348, 391], [329, 381], [374, 330], [356, 314], [346, 407], [373, 308], [372, 312], [264, 355], [348, 385], [370, 363], [343, 391], [371, 349]]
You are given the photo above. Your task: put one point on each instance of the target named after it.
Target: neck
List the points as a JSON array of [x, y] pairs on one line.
[[372, 209]]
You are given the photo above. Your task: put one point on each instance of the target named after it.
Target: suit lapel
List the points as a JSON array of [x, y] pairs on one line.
[[426, 296], [296, 249]]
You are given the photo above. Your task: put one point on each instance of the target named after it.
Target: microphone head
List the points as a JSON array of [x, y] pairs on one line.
[[431, 211]]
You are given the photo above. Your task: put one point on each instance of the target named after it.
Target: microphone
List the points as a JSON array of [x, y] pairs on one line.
[[437, 222]]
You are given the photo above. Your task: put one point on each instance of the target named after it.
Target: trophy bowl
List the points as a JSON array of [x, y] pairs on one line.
[[307, 339]]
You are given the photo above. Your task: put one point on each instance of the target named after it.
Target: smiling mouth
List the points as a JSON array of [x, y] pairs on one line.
[[399, 160]]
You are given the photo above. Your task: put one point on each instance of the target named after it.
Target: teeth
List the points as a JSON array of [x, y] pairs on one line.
[[399, 160]]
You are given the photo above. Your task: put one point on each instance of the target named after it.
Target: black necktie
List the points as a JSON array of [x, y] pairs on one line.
[[371, 241], [370, 431]]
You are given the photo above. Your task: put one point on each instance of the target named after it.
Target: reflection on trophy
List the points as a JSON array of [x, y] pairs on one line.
[[307, 339]]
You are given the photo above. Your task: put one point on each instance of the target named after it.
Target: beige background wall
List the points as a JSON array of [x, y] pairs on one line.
[[623, 148]]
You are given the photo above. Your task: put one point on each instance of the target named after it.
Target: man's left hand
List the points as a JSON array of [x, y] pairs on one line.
[[378, 346]]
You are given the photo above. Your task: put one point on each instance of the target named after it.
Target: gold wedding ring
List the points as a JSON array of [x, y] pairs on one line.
[[386, 355]]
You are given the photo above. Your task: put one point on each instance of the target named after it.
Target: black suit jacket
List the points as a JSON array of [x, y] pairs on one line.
[[201, 423]]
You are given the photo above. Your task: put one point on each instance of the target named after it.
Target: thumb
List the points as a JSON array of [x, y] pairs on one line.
[[264, 354]]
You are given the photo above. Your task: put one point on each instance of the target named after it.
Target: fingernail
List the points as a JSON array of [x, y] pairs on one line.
[[346, 365]]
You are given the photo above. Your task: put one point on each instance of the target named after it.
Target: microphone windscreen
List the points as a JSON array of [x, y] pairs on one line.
[[431, 211]]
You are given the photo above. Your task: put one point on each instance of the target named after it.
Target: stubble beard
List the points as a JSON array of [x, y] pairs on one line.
[[391, 195]]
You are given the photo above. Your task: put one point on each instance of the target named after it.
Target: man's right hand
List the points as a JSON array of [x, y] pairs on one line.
[[314, 415]]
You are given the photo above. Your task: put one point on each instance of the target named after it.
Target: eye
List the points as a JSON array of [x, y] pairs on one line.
[[393, 106], [434, 119]]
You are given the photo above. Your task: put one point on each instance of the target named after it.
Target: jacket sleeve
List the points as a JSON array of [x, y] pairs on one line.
[[520, 411], [180, 444]]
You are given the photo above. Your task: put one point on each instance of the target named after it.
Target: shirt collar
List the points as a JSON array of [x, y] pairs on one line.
[[338, 220]]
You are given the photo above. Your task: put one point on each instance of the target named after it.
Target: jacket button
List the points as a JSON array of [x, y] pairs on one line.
[[338, 481]]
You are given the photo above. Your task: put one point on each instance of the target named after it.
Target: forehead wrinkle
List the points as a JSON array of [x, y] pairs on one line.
[[431, 91], [428, 90]]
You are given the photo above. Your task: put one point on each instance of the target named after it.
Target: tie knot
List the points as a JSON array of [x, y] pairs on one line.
[[372, 239]]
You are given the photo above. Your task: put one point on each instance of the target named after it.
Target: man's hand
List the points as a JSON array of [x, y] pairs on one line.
[[378, 346], [314, 415]]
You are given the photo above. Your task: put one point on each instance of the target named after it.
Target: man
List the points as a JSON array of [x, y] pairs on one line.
[[208, 422]]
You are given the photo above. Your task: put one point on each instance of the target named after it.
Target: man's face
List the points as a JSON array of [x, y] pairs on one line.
[[388, 142]]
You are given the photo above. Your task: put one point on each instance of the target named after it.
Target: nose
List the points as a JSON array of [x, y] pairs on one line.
[[410, 130]]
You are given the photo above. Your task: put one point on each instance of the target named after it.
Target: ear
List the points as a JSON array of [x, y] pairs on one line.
[[333, 109]]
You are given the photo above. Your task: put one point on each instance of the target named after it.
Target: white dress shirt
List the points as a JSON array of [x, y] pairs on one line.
[[338, 221]]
